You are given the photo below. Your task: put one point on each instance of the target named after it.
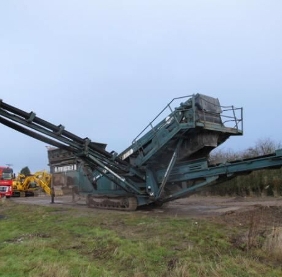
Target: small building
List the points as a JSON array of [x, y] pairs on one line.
[[66, 170]]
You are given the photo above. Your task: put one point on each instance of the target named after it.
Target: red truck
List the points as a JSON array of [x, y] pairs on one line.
[[6, 181]]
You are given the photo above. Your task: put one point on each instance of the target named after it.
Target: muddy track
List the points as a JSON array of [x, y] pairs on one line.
[[194, 206]]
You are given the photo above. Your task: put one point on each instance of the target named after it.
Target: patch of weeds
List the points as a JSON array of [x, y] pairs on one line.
[[48, 241]]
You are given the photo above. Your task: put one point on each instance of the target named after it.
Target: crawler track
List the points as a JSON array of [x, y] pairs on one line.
[[112, 203]]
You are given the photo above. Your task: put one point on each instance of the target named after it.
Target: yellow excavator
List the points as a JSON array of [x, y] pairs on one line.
[[32, 184]]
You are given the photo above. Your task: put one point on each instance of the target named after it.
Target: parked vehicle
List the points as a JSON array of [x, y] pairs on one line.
[[6, 181]]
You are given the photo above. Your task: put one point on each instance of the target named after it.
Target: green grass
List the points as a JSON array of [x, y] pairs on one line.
[[65, 242]]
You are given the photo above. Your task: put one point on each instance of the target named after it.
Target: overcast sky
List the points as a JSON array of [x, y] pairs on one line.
[[104, 69]]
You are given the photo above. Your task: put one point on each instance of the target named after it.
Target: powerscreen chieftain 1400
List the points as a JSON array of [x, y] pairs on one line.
[[166, 161]]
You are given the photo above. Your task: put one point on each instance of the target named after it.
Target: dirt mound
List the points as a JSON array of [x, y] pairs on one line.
[[257, 227], [257, 214]]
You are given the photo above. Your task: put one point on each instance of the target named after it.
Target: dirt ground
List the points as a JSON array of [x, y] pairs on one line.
[[235, 211], [252, 222]]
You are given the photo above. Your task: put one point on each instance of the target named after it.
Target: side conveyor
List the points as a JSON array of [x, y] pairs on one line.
[[197, 174]]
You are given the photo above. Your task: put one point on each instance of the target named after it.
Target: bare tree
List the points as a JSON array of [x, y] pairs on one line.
[[223, 156], [262, 147]]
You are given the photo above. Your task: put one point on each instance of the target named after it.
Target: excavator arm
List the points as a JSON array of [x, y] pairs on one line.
[[29, 184]]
